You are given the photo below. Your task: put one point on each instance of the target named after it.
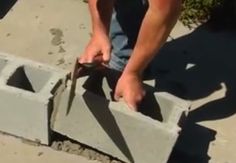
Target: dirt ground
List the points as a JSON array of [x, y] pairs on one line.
[[196, 65]]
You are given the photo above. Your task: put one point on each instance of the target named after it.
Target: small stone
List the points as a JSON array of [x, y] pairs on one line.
[[115, 161], [82, 26], [106, 159], [99, 157], [92, 154], [75, 146], [66, 146], [61, 50], [85, 153], [61, 61], [75, 149], [40, 154], [57, 145], [58, 34]]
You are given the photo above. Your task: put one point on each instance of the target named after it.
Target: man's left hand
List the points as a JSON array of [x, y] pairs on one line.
[[130, 88]]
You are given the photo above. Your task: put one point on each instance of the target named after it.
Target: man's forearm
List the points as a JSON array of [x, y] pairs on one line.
[[101, 11], [156, 26]]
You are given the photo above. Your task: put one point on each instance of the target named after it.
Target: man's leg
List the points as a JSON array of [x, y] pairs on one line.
[[125, 24]]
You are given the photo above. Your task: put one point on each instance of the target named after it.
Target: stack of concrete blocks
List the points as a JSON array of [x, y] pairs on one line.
[[114, 129], [26, 95], [34, 102]]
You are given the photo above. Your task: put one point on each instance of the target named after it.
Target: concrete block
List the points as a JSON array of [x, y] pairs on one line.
[[26, 95], [144, 137], [5, 6]]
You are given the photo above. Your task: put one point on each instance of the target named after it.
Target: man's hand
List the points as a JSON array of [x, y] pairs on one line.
[[129, 87], [97, 50], [99, 47]]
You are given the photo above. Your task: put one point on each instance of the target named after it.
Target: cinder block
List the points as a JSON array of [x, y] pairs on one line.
[[112, 128], [3, 63], [26, 95]]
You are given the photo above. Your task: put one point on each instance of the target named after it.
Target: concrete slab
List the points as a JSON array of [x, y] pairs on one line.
[[53, 32], [112, 128], [13, 150], [26, 95]]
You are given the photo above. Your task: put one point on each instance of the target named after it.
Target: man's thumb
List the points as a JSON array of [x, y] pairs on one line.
[[117, 96]]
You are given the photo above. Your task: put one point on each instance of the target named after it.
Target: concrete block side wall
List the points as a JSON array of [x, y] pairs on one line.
[[42, 78], [172, 108], [23, 117], [26, 91], [3, 63], [110, 127], [185, 104], [21, 60]]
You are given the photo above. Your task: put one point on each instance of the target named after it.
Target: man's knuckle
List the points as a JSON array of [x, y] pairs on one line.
[[139, 98]]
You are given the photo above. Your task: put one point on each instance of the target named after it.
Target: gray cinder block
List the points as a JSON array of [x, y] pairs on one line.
[[112, 128], [26, 95]]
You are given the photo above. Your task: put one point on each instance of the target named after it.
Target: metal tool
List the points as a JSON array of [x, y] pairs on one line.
[[77, 72]]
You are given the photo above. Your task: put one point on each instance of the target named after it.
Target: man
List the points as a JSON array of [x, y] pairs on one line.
[[127, 34]]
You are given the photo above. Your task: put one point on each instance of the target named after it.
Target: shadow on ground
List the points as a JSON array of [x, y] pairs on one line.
[[193, 67], [5, 6]]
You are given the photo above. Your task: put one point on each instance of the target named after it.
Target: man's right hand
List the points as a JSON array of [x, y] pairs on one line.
[[97, 50]]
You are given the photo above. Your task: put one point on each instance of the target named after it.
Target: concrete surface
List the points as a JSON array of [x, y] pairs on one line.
[[26, 96], [112, 128], [29, 28], [13, 150]]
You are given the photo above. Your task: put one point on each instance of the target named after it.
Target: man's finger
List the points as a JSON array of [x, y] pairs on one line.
[[98, 58], [90, 58], [117, 95], [82, 60], [106, 55]]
